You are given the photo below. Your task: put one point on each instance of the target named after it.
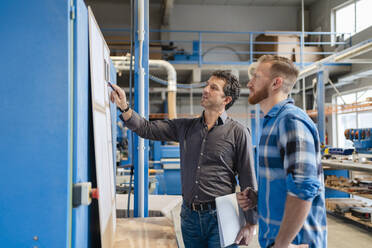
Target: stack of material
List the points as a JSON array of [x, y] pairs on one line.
[[286, 46], [310, 53], [362, 213], [357, 186], [343, 205], [335, 181]]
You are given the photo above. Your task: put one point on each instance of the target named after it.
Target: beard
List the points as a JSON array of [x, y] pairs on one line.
[[259, 95]]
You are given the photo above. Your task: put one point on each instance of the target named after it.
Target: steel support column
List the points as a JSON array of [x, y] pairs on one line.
[[141, 97], [322, 78], [258, 137]]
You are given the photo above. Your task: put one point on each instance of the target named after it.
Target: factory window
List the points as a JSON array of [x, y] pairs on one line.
[[352, 17], [356, 114]]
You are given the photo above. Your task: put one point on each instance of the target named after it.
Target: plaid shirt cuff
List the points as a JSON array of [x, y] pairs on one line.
[[306, 190]]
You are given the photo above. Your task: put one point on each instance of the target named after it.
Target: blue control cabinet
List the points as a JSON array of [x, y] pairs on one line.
[[46, 124]]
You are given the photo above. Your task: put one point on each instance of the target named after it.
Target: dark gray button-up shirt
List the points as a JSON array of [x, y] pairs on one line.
[[210, 159]]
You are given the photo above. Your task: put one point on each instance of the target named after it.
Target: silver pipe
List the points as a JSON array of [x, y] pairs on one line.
[[302, 34], [191, 101], [171, 72], [302, 53], [303, 95], [121, 63], [141, 109]]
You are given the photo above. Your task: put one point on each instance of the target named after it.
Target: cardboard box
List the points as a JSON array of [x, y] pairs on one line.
[[308, 57], [284, 50]]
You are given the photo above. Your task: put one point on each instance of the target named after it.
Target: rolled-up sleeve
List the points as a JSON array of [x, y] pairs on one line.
[[298, 151], [245, 168], [164, 130]]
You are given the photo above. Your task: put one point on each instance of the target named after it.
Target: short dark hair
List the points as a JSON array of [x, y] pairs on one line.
[[232, 86]]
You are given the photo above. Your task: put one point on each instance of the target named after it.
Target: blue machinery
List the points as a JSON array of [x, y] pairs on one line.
[[362, 139], [141, 105], [362, 142], [46, 129], [166, 160]]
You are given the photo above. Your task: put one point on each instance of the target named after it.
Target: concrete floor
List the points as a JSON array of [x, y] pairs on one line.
[[345, 235], [340, 233]]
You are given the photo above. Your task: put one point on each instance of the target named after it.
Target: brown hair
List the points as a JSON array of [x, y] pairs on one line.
[[282, 67]]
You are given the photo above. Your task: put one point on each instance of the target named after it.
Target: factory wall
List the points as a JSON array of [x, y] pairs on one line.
[[117, 15], [233, 18], [320, 17], [227, 18], [320, 20], [203, 17], [320, 14]]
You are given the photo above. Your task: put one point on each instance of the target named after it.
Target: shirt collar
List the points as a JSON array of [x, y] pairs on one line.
[[274, 111], [220, 120]]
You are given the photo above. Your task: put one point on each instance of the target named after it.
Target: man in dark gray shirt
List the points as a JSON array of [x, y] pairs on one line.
[[213, 148]]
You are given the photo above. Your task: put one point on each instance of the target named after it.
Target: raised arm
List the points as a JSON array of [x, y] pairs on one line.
[[165, 130]]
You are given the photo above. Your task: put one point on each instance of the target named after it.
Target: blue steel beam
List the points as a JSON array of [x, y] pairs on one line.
[[145, 65], [83, 149], [229, 32]]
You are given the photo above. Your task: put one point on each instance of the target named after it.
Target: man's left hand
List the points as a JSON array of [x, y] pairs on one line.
[[247, 199], [245, 234]]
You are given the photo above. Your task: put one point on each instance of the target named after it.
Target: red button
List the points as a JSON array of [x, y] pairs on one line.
[[94, 193]]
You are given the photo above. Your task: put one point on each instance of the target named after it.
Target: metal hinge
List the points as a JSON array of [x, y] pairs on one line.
[[72, 12]]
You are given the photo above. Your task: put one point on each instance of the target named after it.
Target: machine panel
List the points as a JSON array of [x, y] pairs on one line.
[[35, 127]]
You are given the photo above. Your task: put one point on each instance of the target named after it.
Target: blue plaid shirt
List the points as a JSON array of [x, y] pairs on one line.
[[289, 164]]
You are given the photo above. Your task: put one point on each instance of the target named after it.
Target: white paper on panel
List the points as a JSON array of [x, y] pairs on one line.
[[102, 159], [99, 53], [96, 62], [106, 55]]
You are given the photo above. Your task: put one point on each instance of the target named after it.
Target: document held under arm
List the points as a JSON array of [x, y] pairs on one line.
[[230, 218]]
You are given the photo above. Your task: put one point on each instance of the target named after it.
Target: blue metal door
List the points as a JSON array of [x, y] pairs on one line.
[[36, 107]]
